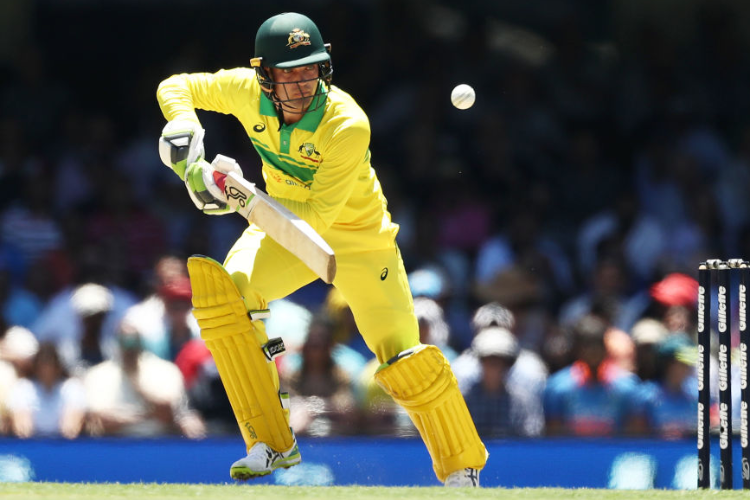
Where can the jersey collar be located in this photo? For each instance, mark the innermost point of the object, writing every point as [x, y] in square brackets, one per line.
[309, 121]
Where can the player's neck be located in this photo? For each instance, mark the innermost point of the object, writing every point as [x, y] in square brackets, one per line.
[292, 118]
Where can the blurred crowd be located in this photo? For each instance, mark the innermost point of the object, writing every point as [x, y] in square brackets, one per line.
[98, 360]
[551, 232]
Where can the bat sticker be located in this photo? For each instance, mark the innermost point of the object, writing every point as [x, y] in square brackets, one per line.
[234, 193]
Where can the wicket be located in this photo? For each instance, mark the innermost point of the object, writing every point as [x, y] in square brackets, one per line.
[722, 269]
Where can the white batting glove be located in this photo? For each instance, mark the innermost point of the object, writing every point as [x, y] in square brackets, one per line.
[181, 144]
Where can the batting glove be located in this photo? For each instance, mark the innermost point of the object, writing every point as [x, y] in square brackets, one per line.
[181, 145]
[200, 180]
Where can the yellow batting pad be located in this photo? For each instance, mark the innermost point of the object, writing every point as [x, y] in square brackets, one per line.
[250, 379]
[421, 380]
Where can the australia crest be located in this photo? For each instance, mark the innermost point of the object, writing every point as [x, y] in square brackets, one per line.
[308, 152]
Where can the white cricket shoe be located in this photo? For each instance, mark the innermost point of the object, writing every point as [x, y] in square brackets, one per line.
[464, 478]
[261, 460]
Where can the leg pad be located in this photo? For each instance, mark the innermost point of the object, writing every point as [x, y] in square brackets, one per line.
[421, 380]
[249, 378]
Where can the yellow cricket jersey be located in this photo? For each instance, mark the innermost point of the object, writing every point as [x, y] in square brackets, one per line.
[319, 167]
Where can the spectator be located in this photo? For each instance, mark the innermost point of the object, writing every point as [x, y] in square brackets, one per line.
[524, 243]
[18, 347]
[31, 223]
[499, 405]
[492, 314]
[18, 306]
[647, 334]
[622, 229]
[49, 403]
[432, 326]
[521, 290]
[322, 393]
[671, 400]
[592, 396]
[619, 345]
[291, 321]
[139, 394]
[82, 321]
[674, 303]
[128, 229]
[526, 376]
[205, 391]
[8, 378]
[608, 282]
[164, 318]
[435, 281]
[90, 303]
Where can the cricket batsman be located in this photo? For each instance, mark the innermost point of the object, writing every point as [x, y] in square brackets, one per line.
[313, 140]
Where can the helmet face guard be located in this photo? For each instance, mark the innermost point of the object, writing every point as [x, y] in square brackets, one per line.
[268, 86]
[286, 41]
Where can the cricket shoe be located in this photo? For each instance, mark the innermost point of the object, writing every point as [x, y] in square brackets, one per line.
[261, 460]
[464, 478]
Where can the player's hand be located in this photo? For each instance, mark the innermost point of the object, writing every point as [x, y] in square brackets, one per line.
[200, 179]
[181, 144]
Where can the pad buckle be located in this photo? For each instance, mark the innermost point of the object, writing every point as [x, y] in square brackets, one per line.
[273, 348]
[284, 399]
[260, 314]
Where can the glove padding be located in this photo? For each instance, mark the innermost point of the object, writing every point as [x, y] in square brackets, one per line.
[181, 145]
[201, 184]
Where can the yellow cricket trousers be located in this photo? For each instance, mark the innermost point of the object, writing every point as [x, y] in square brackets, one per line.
[373, 282]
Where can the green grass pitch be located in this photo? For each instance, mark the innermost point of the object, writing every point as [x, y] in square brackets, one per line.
[82, 491]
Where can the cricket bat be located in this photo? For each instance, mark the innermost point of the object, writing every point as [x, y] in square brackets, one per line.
[279, 223]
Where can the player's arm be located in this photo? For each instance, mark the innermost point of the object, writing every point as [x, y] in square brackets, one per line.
[181, 143]
[22, 423]
[224, 91]
[334, 182]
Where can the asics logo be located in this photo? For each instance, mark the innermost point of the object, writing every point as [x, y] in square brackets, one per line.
[384, 274]
[259, 127]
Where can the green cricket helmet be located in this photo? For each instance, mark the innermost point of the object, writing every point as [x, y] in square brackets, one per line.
[290, 40]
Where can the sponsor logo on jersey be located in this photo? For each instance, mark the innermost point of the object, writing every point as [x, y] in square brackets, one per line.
[297, 38]
[273, 175]
[384, 274]
[260, 127]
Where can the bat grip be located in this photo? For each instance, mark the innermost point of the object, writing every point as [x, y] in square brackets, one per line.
[220, 179]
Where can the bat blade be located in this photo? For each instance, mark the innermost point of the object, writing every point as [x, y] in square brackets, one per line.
[281, 224]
